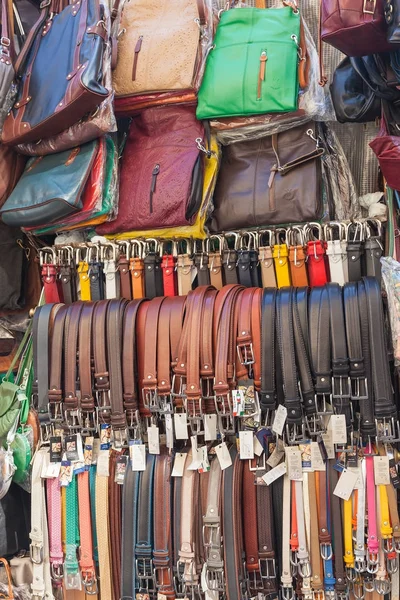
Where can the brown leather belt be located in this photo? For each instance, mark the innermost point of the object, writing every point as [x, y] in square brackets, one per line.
[71, 400]
[162, 553]
[129, 369]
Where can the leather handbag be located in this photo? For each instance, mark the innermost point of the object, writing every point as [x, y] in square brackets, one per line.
[359, 84]
[7, 58]
[154, 60]
[11, 167]
[252, 67]
[392, 17]
[12, 269]
[50, 187]
[61, 72]
[161, 179]
[386, 147]
[269, 181]
[355, 27]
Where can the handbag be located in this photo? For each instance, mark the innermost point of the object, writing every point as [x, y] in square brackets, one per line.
[61, 73]
[386, 147]
[355, 27]
[7, 58]
[12, 269]
[392, 17]
[50, 187]
[8, 590]
[269, 181]
[252, 66]
[11, 167]
[160, 56]
[161, 179]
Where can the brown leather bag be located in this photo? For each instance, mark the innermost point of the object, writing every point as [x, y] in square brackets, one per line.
[158, 49]
[11, 167]
[355, 27]
[161, 181]
[269, 181]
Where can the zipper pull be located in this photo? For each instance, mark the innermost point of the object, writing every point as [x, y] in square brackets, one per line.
[154, 174]
[261, 77]
[136, 56]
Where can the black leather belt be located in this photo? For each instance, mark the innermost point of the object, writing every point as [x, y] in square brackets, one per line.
[96, 278]
[229, 261]
[268, 388]
[129, 532]
[320, 345]
[144, 541]
[68, 283]
[153, 275]
[300, 326]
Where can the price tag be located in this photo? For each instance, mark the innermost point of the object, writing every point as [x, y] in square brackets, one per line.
[204, 462]
[197, 455]
[105, 436]
[88, 452]
[345, 485]
[138, 456]
[257, 447]
[210, 428]
[381, 470]
[56, 449]
[328, 443]
[337, 424]
[66, 473]
[279, 419]
[359, 483]
[120, 468]
[246, 444]
[181, 426]
[103, 463]
[153, 439]
[294, 464]
[223, 455]
[238, 403]
[169, 431]
[277, 454]
[274, 473]
[317, 462]
[95, 450]
[179, 464]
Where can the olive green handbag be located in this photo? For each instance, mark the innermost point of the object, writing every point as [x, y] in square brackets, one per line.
[252, 66]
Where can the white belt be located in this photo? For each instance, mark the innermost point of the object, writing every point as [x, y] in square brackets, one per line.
[286, 577]
[111, 274]
[359, 550]
[40, 551]
[337, 254]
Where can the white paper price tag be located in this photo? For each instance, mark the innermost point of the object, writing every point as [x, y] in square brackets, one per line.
[210, 428]
[138, 457]
[223, 455]
[204, 462]
[294, 464]
[197, 455]
[169, 431]
[381, 470]
[257, 447]
[279, 419]
[359, 484]
[338, 427]
[237, 403]
[277, 454]
[181, 426]
[317, 463]
[179, 464]
[274, 473]
[246, 444]
[345, 485]
[153, 439]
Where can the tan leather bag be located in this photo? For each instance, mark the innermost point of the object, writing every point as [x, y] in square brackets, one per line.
[158, 48]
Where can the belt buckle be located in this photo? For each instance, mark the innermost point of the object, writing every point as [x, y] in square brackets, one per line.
[225, 403]
[368, 583]
[182, 386]
[341, 386]
[295, 434]
[88, 422]
[287, 592]
[245, 353]
[388, 545]
[57, 415]
[215, 579]
[57, 571]
[267, 568]
[213, 539]
[269, 417]
[73, 418]
[145, 572]
[360, 564]
[351, 574]
[326, 551]
[165, 404]
[358, 588]
[365, 10]
[304, 568]
[372, 563]
[207, 387]
[392, 564]
[318, 595]
[315, 425]
[157, 569]
[36, 553]
[359, 388]
[89, 581]
[382, 586]
[150, 399]
[120, 437]
[72, 580]
[387, 430]
[321, 402]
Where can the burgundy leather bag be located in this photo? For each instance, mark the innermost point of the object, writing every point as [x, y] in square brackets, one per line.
[355, 27]
[387, 150]
[161, 180]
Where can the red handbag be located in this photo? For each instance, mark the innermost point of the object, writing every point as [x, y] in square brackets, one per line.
[355, 27]
[386, 147]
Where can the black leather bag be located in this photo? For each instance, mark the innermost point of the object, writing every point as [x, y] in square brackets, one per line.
[359, 84]
[392, 16]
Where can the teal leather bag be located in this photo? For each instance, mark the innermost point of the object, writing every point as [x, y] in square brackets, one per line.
[252, 66]
[50, 187]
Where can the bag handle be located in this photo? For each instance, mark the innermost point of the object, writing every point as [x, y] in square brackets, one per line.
[7, 30]
[9, 578]
[323, 80]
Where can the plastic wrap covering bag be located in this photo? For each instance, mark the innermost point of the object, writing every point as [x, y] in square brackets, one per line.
[338, 180]
[97, 124]
[314, 103]
[7, 470]
[391, 283]
[197, 229]
[9, 100]
[91, 197]
[100, 200]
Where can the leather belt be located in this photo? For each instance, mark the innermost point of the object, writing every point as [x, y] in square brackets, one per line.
[144, 540]
[153, 280]
[184, 273]
[112, 278]
[317, 273]
[129, 368]
[170, 283]
[86, 561]
[268, 394]
[124, 277]
[355, 252]
[162, 554]
[84, 280]
[55, 392]
[337, 255]
[267, 267]
[280, 254]
[114, 492]
[320, 346]
[149, 383]
[229, 262]
[136, 267]
[212, 525]
[103, 534]
[71, 400]
[301, 339]
[54, 522]
[96, 275]
[49, 279]
[68, 283]
[114, 346]
[129, 531]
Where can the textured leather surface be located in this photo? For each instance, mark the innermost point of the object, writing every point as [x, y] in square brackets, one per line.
[57, 93]
[346, 27]
[164, 137]
[168, 48]
[247, 193]
[11, 167]
[230, 83]
[50, 187]
[387, 150]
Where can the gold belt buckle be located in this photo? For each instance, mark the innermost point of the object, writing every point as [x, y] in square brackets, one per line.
[365, 10]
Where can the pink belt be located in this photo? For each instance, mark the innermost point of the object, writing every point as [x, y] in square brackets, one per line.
[54, 524]
[373, 542]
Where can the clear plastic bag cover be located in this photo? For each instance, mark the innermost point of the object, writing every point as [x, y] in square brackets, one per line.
[7, 470]
[97, 124]
[314, 103]
[391, 283]
[111, 188]
[8, 103]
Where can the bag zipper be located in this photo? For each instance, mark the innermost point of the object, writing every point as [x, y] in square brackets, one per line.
[136, 57]
[261, 72]
[154, 174]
